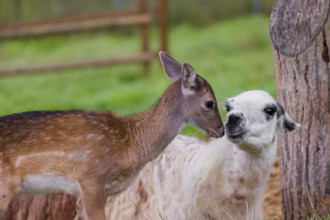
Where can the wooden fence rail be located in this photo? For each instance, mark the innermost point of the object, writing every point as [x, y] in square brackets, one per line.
[140, 16]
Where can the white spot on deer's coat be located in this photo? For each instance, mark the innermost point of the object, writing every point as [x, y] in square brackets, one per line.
[79, 155]
[100, 137]
[21, 158]
[95, 136]
[90, 136]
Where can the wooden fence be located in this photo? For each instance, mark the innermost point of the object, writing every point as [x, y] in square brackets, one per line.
[140, 16]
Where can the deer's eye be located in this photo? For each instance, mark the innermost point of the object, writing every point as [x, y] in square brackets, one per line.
[209, 104]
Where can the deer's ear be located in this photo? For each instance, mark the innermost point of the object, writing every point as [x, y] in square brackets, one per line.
[189, 77]
[284, 120]
[170, 65]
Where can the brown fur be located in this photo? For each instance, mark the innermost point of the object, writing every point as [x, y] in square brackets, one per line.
[101, 151]
[54, 206]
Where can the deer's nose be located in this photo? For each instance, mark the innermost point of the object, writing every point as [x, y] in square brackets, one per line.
[222, 131]
[217, 133]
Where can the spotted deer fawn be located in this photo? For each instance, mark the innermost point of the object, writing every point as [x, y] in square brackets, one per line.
[97, 154]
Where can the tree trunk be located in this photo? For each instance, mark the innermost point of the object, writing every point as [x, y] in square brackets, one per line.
[300, 34]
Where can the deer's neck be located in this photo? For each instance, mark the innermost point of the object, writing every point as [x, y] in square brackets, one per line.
[153, 130]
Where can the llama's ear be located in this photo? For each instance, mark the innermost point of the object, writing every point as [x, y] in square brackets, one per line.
[284, 120]
[170, 65]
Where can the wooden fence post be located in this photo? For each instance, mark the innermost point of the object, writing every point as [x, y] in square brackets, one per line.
[163, 24]
[144, 35]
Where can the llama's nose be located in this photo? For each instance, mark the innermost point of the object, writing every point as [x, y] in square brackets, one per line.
[234, 119]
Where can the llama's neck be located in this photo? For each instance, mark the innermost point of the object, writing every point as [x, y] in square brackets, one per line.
[224, 161]
[260, 159]
[153, 130]
[256, 167]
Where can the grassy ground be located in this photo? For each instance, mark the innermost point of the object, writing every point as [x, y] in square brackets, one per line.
[233, 56]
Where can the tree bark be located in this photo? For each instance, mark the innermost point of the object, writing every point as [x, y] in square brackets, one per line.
[300, 35]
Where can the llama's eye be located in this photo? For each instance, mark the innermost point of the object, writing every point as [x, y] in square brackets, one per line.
[270, 111]
[228, 108]
[209, 104]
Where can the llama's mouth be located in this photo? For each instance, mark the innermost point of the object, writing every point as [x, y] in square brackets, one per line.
[236, 137]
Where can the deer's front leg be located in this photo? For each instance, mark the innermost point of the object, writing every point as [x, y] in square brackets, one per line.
[6, 193]
[9, 184]
[93, 200]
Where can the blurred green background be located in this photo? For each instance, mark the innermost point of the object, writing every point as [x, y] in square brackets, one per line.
[195, 12]
[226, 41]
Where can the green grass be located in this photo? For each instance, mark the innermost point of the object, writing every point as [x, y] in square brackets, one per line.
[233, 56]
